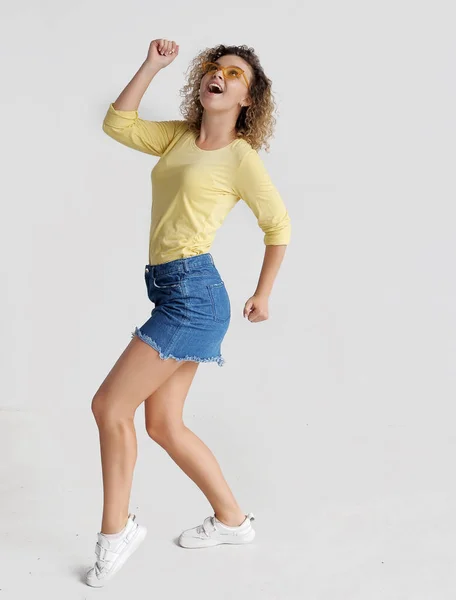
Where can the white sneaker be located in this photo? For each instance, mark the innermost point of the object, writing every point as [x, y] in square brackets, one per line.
[111, 554]
[213, 532]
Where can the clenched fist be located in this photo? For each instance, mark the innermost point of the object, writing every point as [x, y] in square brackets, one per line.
[162, 52]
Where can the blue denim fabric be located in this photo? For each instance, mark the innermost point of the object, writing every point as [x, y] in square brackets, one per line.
[191, 312]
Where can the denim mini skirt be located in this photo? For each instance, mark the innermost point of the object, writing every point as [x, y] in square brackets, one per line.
[191, 312]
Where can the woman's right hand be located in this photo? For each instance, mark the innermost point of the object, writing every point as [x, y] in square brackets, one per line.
[162, 53]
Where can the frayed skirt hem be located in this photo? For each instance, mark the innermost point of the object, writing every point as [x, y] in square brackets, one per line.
[148, 340]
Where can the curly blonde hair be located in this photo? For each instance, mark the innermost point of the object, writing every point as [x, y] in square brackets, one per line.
[256, 122]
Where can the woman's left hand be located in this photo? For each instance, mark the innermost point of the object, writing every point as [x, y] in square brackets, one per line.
[256, 308]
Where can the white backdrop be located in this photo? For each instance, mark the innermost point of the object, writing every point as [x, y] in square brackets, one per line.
[333, 421]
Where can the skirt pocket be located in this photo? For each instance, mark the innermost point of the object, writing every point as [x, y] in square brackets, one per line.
[167, 280]
[221, 308]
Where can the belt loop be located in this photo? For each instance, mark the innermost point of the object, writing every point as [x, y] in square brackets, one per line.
[212, 260]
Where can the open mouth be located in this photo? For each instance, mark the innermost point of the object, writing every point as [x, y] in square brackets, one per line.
[214, 88]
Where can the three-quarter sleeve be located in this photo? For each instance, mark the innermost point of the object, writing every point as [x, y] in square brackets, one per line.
[254, 186]
[151, 137]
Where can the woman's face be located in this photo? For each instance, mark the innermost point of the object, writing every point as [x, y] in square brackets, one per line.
[234, 91]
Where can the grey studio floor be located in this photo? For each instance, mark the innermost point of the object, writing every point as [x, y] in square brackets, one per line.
[342, 511]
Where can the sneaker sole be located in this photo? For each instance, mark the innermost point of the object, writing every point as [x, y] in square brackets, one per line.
[189, 542]
[132, 546]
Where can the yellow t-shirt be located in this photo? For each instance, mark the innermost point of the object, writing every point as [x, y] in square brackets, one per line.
[193, 190]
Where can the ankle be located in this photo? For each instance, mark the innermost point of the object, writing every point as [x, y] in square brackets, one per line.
[113, 528]
[232, 519]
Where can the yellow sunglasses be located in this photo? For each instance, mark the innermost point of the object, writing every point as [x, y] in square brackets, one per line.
[232, 72]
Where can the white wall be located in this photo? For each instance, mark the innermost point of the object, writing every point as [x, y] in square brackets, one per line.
[343, 399]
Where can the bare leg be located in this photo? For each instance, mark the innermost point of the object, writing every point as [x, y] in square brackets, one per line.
[164, 424]
[136, 374]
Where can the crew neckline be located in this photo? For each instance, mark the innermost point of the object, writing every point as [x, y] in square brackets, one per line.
[195, 135]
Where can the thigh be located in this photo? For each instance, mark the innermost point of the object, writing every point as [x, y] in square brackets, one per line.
[165, 405]
[137, 373]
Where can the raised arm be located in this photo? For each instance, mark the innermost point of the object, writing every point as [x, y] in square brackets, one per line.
[161, 54]
[122, 122]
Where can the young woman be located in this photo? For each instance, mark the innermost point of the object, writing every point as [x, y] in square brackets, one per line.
[208, 162]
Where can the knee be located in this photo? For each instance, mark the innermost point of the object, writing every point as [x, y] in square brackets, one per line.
[105, 410]
[164, 433]
[98, 407]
